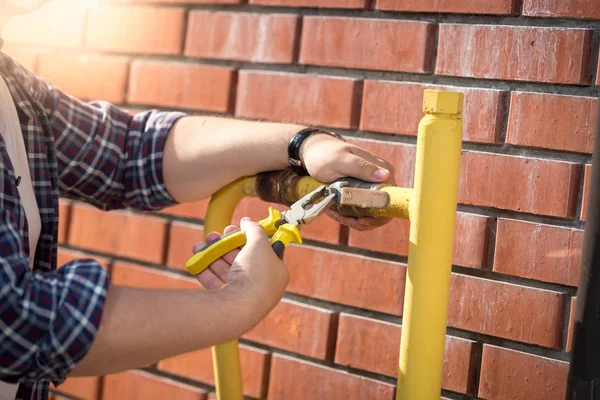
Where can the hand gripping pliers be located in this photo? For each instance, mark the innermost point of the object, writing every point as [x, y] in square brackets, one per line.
[282, 226]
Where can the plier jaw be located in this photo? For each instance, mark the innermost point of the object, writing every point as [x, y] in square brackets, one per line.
[310, 207]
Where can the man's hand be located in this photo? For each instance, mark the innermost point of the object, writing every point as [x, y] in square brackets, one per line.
[328, 159]
[254, 270]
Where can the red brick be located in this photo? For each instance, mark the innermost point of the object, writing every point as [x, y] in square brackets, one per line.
[500, 7]
[536, 251]
[368, 43]
[121, 233]
[313, 3]
[298, 328]
[64, 210]
[58, 24]
[198, 366]
[373, 345]
[471, 240]
[26, 57]
[598, 75]
[392, 238]
[182, 238]
[265, 38]
[529, 185]
[196, 210]
[323, 229]
[396, 107]
[133, 275]
[505, 310]
[293, 379]
[181, 85]
[510, 374]
[138, 30]
[65, 256]
[299, 98]
[323, 274]
[557, 55]
[572, 312]
[552, 121]
[87, 77]
[142, 385]
[589, 9]
[586, 190]
[84, 388]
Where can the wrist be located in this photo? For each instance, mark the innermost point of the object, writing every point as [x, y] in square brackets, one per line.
[317, 137]
[253, 305]
[301, 143]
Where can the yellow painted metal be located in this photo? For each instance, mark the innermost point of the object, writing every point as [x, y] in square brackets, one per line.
[431, 205]
[306, 184]
[433, 218]
[212, 252]
[399, 202]
[226, 356]
[223, 203]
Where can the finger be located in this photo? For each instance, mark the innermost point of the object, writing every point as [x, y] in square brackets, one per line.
[211, 237]
[334, 215]
[229, 258]
[221, 269]
[209, 280]
[230, 229]
[255, 234]
[367, 155]
[375, 159]
[373, 222]
[360, 168]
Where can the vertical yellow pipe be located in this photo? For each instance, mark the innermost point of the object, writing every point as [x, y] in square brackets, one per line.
[433, 217]
[226, 356]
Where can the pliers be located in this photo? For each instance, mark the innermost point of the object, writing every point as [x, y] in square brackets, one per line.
[282, 226]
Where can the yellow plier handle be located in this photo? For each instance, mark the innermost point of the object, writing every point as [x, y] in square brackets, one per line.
[282, 236]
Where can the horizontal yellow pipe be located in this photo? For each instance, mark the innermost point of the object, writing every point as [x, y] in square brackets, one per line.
[399, 202]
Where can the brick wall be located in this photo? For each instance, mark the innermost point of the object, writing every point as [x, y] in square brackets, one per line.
[527, 68]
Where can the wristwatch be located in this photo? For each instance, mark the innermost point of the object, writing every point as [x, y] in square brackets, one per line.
[296, 143]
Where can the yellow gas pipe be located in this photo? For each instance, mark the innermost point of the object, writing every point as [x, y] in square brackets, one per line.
[431, 206]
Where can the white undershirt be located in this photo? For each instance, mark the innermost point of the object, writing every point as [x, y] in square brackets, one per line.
[10, 129]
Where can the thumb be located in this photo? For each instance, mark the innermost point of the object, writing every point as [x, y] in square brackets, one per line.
[255, 234]
[358, 167]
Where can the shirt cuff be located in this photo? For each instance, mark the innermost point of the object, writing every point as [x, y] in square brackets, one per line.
[78, 315]
[158, 125]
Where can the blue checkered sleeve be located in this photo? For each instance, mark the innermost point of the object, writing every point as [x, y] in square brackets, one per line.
[47, 320]
[108, 157]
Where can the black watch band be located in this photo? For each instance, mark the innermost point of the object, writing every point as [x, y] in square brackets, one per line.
[296, 143]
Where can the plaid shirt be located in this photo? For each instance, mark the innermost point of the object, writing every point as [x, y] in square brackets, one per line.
[92, 152]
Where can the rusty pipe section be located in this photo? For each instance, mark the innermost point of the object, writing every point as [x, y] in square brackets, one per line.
[286, 187]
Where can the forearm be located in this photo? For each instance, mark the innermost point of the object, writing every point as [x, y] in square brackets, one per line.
[142, 326]
[203, 154]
